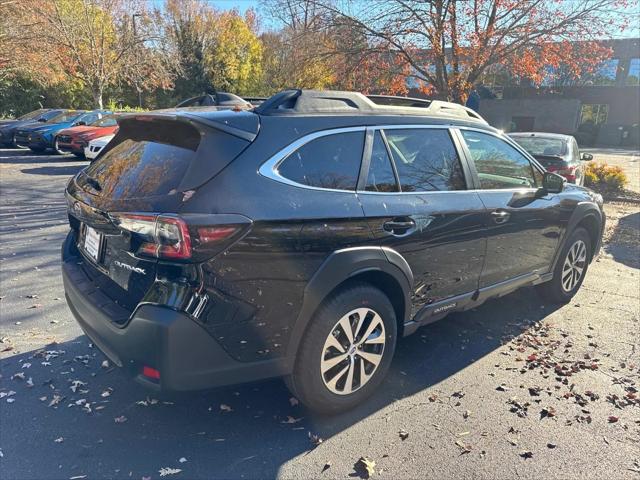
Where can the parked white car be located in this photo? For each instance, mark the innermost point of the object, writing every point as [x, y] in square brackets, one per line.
[95, 146]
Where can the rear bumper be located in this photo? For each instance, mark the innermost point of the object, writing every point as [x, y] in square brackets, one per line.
[187, 357]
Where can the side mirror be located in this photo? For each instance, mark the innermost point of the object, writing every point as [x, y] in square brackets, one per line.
[80, 123]
[42, 120]
[552, 182]
[587, 157]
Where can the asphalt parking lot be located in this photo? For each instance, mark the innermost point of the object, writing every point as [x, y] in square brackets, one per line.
[511, 389]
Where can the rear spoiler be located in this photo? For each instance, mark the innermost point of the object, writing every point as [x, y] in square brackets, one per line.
[226, 123]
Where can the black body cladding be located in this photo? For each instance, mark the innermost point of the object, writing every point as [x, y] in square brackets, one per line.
[251, 296]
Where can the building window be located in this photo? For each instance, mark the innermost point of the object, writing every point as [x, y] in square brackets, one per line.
[605, 74]
[594, 113]
[633, 76]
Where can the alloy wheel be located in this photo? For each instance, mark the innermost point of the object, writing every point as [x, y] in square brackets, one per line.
[574, 265]
[352, 351]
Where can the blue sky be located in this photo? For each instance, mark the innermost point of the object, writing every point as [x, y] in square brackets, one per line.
[243, 5]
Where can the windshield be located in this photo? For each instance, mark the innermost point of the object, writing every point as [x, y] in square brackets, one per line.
[542, 145]
[107, 121]
[65, 117]
[50, 114]
[30, 115]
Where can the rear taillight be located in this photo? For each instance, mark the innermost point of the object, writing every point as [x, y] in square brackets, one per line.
[171, 237]
[568, 172]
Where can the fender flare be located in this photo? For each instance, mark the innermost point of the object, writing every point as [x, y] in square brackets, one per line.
[582, 211]
[340, 266]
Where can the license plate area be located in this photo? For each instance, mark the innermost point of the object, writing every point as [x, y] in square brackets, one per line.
[92, 243]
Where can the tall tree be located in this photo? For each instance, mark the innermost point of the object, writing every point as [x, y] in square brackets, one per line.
[215, 49]
[96, 42]
[449, 44]
[295, 55]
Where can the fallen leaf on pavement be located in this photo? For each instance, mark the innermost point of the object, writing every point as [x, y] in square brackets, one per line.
[547, 412]
[315, 439]
[293, 401]
[326, 467]
[464, 448]
[526, 454]
[225, 408]
[290, 419]
[164, 471]
[59, 440]
[120, 419]
[366, 466]
[613, 419]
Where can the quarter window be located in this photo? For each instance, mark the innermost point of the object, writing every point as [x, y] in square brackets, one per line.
[499, 165]
[425, 160]
[381, 177]
[331, 161]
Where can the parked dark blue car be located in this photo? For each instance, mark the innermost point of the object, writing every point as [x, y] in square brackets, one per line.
[37, 117]
[42, 137]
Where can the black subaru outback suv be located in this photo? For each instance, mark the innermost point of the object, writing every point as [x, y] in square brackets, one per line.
[303, 238]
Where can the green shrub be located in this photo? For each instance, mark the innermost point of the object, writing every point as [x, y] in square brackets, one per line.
[606, 179]
[119, 107]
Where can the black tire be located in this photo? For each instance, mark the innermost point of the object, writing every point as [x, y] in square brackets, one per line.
[554, 290]
[36, 149]
[309, 384]
[56, 149]
[15, 145]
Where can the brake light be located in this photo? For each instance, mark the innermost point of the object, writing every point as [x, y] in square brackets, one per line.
[171, 237]
[569, 172]
[151, 372]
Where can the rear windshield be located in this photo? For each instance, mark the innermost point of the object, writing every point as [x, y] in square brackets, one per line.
[542, 145]
[149, 160]
[108, 121]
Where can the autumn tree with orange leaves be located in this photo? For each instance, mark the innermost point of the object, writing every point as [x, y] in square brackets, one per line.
[446, 46]
[98, 43]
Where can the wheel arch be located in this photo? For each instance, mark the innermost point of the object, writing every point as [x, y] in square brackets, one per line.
[593, 227]
[381, 267]
[588, 216]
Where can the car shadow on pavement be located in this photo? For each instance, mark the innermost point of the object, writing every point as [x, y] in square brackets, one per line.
[87, 418]
[67, 170]
[625, 241]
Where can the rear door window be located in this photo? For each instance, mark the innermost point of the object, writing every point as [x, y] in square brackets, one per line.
[147, 162]
[331, 161]
[380, 177]
[425, 159]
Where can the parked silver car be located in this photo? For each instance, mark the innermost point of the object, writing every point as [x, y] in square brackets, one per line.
[557, 153]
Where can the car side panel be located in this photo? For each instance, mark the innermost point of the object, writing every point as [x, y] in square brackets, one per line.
[257, 287]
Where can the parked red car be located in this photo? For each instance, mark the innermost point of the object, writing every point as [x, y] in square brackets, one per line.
[74, 139]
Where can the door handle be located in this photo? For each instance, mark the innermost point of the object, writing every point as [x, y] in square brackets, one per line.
[500, 216]
[399, 226]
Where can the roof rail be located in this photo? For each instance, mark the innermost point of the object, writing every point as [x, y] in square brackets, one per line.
[399, 101]
[308, 102]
